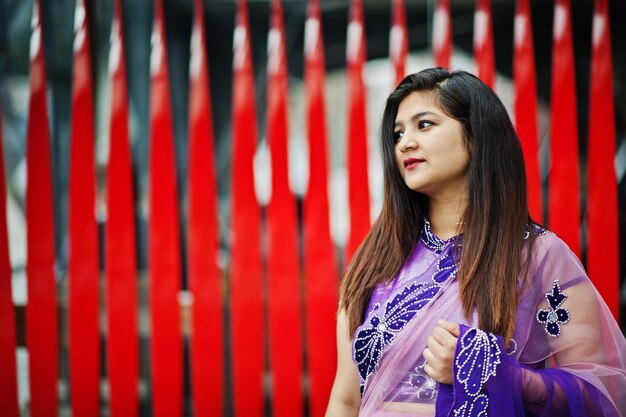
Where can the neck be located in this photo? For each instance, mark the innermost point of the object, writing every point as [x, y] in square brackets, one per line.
[444, 215]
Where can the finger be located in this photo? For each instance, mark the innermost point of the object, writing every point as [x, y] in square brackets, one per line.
[451, 327]
[444, 337]
[429, 357]
[432, 365]
[430, 371]
[433, 344]
[430, 362]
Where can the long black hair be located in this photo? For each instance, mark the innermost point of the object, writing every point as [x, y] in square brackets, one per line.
[494, 220]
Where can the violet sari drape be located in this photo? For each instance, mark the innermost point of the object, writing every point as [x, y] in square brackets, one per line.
[567, 356]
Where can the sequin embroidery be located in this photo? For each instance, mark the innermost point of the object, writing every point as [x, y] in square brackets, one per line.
[512, 347]
[370, 342]
[554, 317]
[535, 229]
[478, 407]
[432, 241]
[479, 350]
[425, 387]
[476, 362]
[381, 329]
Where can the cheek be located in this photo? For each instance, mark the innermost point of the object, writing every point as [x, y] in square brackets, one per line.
[464, 156]
[461, 161]
[456, 160]
[456, 153]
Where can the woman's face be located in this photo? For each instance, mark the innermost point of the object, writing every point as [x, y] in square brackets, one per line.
[430, 149]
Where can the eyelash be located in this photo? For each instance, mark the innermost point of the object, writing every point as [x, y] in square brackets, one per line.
[397, 135]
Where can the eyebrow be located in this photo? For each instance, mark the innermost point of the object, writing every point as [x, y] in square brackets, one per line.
[417, 116]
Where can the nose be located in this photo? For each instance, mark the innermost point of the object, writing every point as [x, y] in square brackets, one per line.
[407, 142]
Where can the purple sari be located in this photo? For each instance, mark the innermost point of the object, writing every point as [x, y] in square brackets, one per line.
[567, 356]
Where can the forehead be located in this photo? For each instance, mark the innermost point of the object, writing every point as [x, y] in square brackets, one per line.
[418, 102]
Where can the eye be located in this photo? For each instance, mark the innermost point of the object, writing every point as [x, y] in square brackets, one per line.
[423, 124]
[398, 134]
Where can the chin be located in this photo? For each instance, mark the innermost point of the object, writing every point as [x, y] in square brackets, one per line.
[417, 187]
[421, 187]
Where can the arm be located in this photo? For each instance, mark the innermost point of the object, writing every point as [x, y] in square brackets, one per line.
[569, 387]
[345, 397]
[562, 320]
[572, 327]
[579, 346]
[485, 377]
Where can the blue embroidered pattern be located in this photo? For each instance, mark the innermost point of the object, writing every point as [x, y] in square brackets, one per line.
[446, 268]
[479, 350]
[534, 229]
[556, 315]
[432, 241]
[512, 347]
[381, 329]
[476, 362]
[478, 407]
[370, 342]
[425, 386]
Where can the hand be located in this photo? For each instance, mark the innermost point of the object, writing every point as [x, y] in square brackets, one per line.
[439, 354]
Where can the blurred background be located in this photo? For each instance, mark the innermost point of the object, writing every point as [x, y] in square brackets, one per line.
[219, 16]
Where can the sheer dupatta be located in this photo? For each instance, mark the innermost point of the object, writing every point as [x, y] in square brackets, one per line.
[388, 347]
[567, 356]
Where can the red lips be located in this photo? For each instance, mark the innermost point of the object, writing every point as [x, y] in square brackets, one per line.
[410, 163]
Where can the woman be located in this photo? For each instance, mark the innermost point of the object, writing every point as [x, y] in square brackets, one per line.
[457, 304]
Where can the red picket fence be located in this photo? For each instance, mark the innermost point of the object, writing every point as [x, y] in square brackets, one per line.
[297, 298]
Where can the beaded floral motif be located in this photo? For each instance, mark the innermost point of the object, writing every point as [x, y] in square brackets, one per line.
[478, 407]
[370, 342]
[535, 229]
[425, 386]
[477, 360]
[431, 240]
[556, 315]
[512, 347]
[381, 329]
[446, 268]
